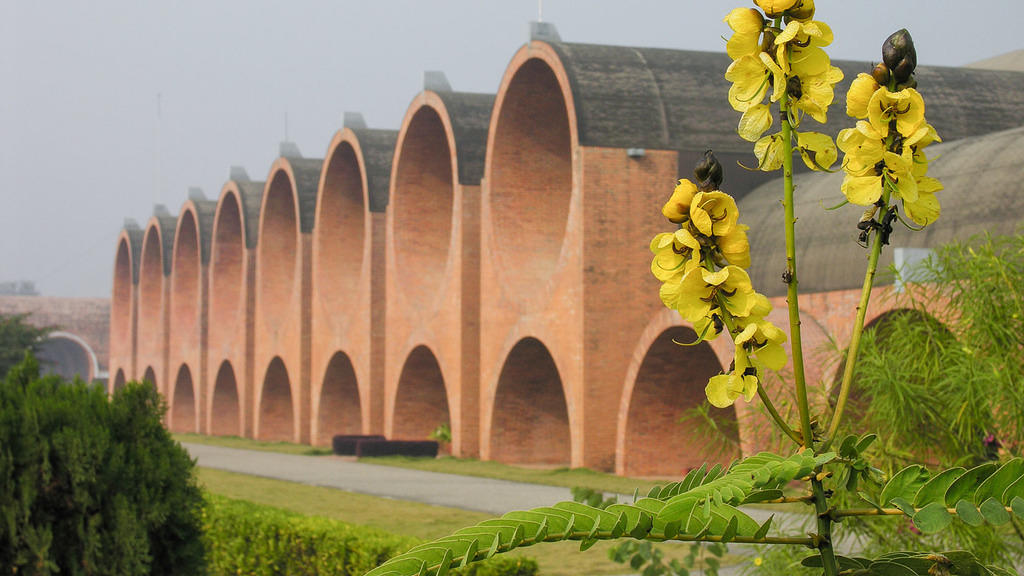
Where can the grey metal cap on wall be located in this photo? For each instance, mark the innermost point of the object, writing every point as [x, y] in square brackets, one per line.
[307, 178]
[251, 198]
[134, 235]
[206, 211]
[984, 182]
[166, 223]
[470, 116]
[677, 99]
[378, 148]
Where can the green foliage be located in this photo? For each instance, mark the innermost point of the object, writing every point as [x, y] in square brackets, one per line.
[91, 485]
[16, 338]
[644, 557]
[700, 507]
[913, 564]
[948, 386]
[246, 538]
[442, 434]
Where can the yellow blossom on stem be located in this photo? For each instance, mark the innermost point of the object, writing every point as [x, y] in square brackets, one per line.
[750, 81]
[747, 25]
[695, 293]
[905, 106]
[675, 254]
[713, 213]
[861, 90]
[723, 390]
[677, 209]
[735, 247]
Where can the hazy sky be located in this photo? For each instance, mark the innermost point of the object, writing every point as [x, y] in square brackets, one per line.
[81, 149]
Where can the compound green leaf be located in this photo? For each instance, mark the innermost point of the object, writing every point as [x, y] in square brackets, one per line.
[969, 513]
[904, 484]
[934, 490]
[967, 484]
[932, 518]
[999, 481]
[994, 512]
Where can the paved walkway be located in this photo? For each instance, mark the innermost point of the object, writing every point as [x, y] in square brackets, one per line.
[454, 491]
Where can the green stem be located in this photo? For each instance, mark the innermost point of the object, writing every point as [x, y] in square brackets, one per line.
[836, 514]
[792, 298]
[828, 555]
[858, 329]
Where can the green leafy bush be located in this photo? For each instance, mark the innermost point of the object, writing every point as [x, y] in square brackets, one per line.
[91, 484]
[246, 538]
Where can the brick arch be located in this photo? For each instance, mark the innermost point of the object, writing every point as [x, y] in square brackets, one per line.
[339, 409]
[421, 398]
[121, 298]
[227, 259]
[184, 416]
[185, 277]
[150, 376]
[276, 419]
[277, 252]
[530, 171]
[530, 419]
[225, 416]
[151, 292]
[69, 356]
[659, 391]
[421, 203]
[340, 230]
[119, 380]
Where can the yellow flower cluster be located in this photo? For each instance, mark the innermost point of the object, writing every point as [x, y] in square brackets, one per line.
[702, 269]
[781, 62]
[884, 154]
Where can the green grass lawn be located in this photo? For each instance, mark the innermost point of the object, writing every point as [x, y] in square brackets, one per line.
[564, 477]
[411, 519]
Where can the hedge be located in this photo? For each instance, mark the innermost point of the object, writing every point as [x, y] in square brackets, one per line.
[91, 484]
[246, 538]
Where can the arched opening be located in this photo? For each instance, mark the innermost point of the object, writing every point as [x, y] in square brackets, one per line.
[277, 418]
[341, 229]
[226, 267]
[663, 436]
[340, 411]
[530, 175]
[530, 423]
[121, 301]
[185, 277]
[224, 410]
[278, 248]
[66, 356]
[421, 403]
[119, 380]
[151, 277]
[149, 377]
[183, 409]
[422, 200]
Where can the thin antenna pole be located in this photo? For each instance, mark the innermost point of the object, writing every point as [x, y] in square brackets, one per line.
[157, 150]
[540, 10]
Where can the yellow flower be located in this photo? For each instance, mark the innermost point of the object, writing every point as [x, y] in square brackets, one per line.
[861, 90]
[710, 326]
[755, 120]
[747, 25]
[769, 152]
[925, 209]
[806, 32]
[863, 147]
[677, 209]
[723, 390]
[763, 340]
[695, 294]
[749, 77]
[817, 150]
[905, 106]
[713, 213]
[775, 8]
[735, 247]
[675, 254]
[817, 93]
[899, 168]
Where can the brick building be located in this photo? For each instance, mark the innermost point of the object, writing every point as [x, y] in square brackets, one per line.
[487, 266]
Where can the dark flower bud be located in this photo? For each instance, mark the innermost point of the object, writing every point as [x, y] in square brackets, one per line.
[881, 74]
[794, 88]
[899, 55]
[708, 173]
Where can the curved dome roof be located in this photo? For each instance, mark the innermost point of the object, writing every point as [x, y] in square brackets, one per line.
[984, 184]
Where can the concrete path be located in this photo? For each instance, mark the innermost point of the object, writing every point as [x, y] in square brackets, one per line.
[465, 492]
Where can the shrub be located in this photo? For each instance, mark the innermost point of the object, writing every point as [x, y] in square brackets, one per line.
[91, 484]
[246, 538]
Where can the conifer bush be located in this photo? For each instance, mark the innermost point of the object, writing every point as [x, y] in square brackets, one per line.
[91, 484]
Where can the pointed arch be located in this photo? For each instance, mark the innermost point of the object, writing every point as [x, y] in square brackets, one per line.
[225, 417]
[340, 409]
[276, 411]
[421, 400]
[184, 417]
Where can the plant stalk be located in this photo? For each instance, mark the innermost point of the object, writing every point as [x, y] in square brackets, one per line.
[792, 299]
[847, 513]
[858, 329]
